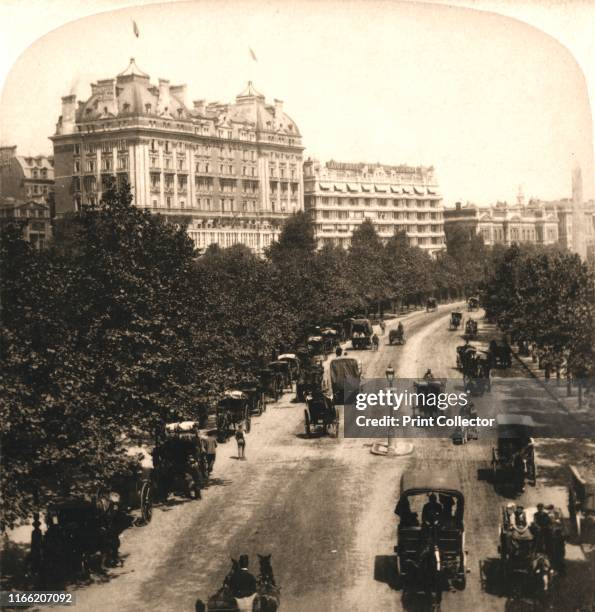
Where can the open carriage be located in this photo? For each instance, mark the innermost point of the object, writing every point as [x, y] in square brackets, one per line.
[361, 334]
[431, 304]
[513, 459]
[271, 383]
[532, 549]
[255, 394]
[233, 410]
[473, 303]
[456, 318]
[431, 543]
[283, 371]
[471, 329]
[428, 391]
[179, 461]
[294, 364]
[321, 414]
[396, 336]
[331, 339]
[310, 378]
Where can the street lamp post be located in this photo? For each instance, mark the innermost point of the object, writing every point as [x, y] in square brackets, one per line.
[396, 448]
[390, 377]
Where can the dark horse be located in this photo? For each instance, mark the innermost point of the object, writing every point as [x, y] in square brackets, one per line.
[427, 576]
[266, 600]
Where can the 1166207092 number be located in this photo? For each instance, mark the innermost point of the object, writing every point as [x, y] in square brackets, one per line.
[39, 598]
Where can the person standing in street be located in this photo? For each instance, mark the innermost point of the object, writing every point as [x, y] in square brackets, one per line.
[241, 440]
[211, 451]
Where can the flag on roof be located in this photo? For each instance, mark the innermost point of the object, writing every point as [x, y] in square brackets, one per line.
[135, 28]
[253, 55]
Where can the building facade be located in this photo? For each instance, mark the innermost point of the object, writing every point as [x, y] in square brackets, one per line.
[35, 217]
[231, 172]
[340, 196]
[24, 177]
[506, 224]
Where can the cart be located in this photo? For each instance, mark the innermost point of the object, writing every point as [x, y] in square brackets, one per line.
[429, 389]
[431, 304]
[345, 376]
[233, 411]
[456, 318]
[321, 414]
[513, 459]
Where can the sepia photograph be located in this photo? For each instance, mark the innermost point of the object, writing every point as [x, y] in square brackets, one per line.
[297, 305]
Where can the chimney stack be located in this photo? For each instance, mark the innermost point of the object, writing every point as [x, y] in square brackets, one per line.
[199, 106]
[163, 101]
[68, 114]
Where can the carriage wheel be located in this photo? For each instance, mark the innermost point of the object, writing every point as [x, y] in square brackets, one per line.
[146, 502]
[307, 422]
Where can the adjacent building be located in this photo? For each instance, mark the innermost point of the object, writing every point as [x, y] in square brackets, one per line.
[231, 172]
[35, 217]
[340, 196]
[24, 177]
[502, 223]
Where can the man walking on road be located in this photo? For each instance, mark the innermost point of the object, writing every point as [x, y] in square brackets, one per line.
[241, 440]
[210, 451]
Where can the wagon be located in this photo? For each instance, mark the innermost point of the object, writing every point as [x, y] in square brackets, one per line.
[500, 354]
[429, 390]
[530, 555]
[513, 459]
[456, 318]
[179, 461]
[431, 304]
[581, 505]
[233, 410]
[321, 414]
[447, 534]
[345, 376]
[315, 344]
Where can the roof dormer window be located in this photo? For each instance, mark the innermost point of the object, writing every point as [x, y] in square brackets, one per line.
[148, 108]
[126, 107]
[105, 110]
[179, 112]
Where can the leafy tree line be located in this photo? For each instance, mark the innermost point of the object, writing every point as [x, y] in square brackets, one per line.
[544, 295]
[118, 326]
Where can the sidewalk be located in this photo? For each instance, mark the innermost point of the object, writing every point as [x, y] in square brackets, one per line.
[557, 390]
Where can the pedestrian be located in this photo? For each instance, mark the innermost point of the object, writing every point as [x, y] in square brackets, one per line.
[241, 440]
[382, 326]
[375, 342]
[211, 451]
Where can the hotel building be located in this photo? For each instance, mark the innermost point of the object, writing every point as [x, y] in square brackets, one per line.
[230, 172]
[340, 196]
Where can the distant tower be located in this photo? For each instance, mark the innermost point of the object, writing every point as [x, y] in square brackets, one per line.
[577, 186]
[520, 198]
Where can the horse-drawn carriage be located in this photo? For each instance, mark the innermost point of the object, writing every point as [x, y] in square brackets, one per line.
[179, 461]
[294, 364]
[315, 344]
[473, 303]
[284, 373]
[321, 413]
[345, 374]
[429, 389]
[465, 354]
[271, 383]
[255, 394]
[310, 378]
[581, 506]
[431, 304]
[431, 544]
[532, 547]
[456, 317]
[233, 410]
[513, 459]
[397, 336]
[361, 334]
[330, 338]
[470, 330]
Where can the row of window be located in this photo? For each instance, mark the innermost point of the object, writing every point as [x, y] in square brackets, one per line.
[370, 201]
[41, 173]
[107, 164]
[209, 204]
[104, 147]
[360, 214]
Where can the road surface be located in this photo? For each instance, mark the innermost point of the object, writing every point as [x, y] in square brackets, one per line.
[324, 509]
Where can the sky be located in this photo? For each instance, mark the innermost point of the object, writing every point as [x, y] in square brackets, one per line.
[490, 102]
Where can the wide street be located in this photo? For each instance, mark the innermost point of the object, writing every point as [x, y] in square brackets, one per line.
[323, 508]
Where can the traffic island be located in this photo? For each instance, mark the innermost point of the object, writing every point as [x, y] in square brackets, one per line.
[393, 450]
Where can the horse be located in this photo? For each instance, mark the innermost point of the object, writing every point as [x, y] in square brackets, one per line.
[428, 575]
[223, 600]
[268, 592]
